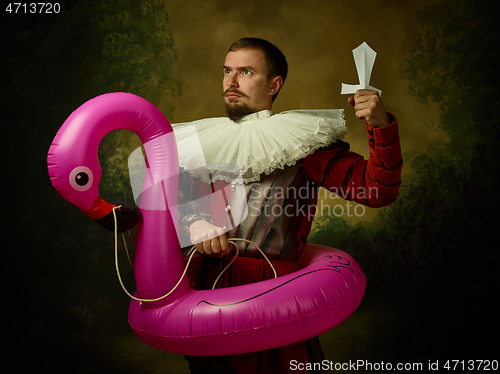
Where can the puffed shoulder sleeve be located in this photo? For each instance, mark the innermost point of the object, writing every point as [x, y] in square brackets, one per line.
[374, 182]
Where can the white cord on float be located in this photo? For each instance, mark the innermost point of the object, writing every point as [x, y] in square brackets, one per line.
[191, 253]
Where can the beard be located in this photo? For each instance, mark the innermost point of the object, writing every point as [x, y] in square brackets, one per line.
[236, 111]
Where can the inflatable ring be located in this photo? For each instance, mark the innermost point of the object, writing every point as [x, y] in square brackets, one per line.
[326, 290]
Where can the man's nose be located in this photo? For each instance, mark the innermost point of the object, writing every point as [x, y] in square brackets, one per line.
[232, 81]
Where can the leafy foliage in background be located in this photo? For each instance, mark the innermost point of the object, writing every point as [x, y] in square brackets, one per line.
[454, 63]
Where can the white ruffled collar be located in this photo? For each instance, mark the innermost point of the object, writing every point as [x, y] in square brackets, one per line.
[256, 116]
[259, 143]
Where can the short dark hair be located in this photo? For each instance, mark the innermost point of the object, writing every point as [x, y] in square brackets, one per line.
[275, 60]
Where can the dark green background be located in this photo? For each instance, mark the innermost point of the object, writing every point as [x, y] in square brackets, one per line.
[430, 258]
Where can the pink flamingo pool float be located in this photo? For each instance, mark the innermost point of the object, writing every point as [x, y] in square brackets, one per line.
[325, 291]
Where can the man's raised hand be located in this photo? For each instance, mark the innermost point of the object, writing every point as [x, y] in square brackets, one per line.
[368, 105]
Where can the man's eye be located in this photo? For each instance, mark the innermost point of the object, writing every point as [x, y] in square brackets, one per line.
[227, 72]
[247, 72]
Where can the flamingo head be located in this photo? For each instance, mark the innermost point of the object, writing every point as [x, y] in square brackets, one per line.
[74, 169]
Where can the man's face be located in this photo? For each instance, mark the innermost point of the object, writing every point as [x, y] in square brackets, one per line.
[247, 89]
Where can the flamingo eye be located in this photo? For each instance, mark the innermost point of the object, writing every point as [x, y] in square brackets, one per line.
[81, 178]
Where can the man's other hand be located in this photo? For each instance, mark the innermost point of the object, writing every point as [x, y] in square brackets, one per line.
[209, 239]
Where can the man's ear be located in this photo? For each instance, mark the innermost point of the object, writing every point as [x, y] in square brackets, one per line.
[276, 84]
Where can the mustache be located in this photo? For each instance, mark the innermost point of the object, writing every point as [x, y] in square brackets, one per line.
[233, 90]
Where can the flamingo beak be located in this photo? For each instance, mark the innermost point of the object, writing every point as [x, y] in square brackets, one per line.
[102, 213]
[125, 219]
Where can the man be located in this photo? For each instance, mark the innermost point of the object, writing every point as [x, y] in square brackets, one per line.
[254, 72]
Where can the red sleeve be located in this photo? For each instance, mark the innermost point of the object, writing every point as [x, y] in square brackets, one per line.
[374, 182]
